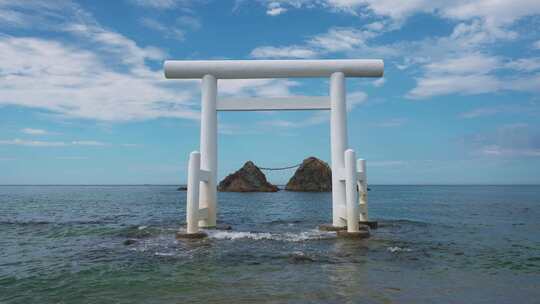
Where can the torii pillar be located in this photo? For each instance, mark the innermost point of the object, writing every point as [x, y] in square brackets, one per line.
[208, 190]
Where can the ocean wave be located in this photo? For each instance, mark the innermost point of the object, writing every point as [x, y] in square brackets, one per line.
[25, 223]
[142, 231]
[102, 221]
[164, 254]
[288, 236]
[284, 222]
[37, 224]
[395, 249]
[402, 222]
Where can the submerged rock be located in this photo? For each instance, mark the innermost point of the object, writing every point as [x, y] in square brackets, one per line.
[300, 257]
[313, 175]
[130, 242]
[248, 179]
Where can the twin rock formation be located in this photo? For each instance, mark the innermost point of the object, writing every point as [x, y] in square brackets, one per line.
[313, 175]
[248, 179]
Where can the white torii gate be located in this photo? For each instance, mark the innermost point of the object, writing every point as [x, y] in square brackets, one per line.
[202, 170]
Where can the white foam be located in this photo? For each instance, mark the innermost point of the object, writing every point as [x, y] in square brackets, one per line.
[398, 249]
[234, 235]
[164, 253]
[289, 236]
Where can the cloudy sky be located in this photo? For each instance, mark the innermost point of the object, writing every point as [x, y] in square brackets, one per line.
[83, 99]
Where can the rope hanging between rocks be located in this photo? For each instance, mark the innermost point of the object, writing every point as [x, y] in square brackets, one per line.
[282, 168]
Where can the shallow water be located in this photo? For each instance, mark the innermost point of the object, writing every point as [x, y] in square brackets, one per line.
[435, 244]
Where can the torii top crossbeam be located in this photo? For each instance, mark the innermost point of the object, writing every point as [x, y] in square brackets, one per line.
[245, 69]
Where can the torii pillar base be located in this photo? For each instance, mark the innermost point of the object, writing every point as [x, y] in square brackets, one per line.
[370, 224]
[362, 234]
[330, 227]
[220, 227]
[182, 235]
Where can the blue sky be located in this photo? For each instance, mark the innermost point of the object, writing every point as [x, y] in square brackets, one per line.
[83, 99]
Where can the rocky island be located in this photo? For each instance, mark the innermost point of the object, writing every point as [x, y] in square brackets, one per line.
[313, 175]
[248, 179]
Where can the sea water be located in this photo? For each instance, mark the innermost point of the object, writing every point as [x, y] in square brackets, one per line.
[435, 244]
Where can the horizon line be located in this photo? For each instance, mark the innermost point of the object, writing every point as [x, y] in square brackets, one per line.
[375, 184]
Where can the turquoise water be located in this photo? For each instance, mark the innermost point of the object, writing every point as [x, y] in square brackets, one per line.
[436, 244]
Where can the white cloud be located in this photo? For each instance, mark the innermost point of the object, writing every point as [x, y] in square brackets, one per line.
[355, 99]
[39, 143]
[508, 109]
[492, 150]
[474, 73]
[160, 4]
[525, 64]
[475, 32]
[466, 64]
[510, 140]
[527, 84]
[314, 119]
[88, 143]
[256, 87]
[494, 12]
[480, 112]
[379, 82]
[99, 74]
[40, 14]
[173, 31]
[32, 143]
[393, 9]
[283, 52]
[115, 45]
[167, 31]
[340, 39]
[463, 51]
[274, 9]
[495, 150]
[536, 45]
[235, 129]
[189, 21]
[31, 131]
[454, 84]
[12, 18]
[376, 26]
[335, 40]
[88, 73]
[466, 74]
[280, 123]
[79, 83]
[479, 23]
